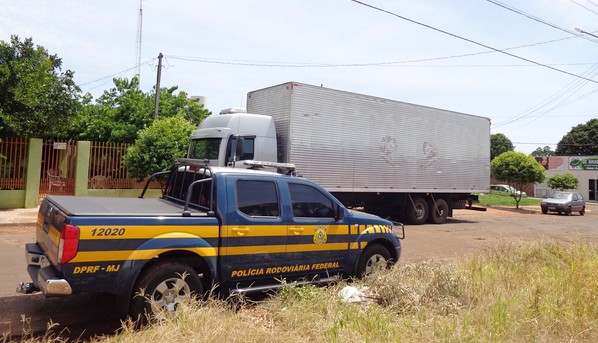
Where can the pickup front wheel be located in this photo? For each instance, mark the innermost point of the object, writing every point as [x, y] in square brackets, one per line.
[162, 287]
[374, 256]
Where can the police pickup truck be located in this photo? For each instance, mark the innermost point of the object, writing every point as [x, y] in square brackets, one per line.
[240, 230]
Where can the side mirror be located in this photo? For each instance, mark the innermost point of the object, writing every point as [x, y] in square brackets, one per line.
[239, 148]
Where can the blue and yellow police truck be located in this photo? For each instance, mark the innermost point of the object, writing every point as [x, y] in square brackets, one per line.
[239, 230]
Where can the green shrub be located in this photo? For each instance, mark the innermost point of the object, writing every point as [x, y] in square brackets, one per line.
[158, 146]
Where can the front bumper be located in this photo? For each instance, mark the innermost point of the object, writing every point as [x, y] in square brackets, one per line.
[44, 276]
[554, 207]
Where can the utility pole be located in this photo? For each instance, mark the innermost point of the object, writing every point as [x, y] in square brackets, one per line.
[157, 100]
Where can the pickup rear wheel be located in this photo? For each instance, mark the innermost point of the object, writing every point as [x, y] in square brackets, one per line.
[162, 287]
[374, 256]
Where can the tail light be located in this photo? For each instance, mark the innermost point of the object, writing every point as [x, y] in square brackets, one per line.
[69, 243]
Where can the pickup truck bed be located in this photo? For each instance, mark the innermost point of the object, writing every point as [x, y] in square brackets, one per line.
[138, 207]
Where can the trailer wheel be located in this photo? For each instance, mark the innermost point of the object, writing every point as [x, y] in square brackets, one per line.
[439, 212]
[374, 256]
[161, 288]
[418, 213]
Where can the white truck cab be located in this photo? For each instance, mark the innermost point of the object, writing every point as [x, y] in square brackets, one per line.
[234, 136]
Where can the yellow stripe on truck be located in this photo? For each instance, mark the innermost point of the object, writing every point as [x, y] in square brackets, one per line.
[91, 232]
[104, 256]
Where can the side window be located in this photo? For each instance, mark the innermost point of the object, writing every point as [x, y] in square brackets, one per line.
[309, 202]
[257, 198]
[248, 149]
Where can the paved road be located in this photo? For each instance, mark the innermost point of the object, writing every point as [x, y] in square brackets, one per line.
[467, 233]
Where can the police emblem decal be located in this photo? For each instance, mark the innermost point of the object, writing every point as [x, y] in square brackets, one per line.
[320, 236]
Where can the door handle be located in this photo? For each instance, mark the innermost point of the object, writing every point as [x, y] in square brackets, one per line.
[297, 230]
[241, 231]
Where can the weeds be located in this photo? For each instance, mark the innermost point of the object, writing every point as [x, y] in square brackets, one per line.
[539, 292]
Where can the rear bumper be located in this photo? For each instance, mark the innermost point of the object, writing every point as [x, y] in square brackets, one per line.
[44, 276]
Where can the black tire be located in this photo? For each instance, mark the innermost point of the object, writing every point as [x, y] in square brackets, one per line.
[439, 212]
[544, 210]
[583, 211]
[374, 256]
[418, 213]
[161, 288]
[568, 211]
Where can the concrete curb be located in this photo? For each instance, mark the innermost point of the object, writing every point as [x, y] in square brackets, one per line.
[537, 209]
[523, 210]
[10, 217]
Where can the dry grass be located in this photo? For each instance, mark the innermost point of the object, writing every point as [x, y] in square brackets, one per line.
[540, 292]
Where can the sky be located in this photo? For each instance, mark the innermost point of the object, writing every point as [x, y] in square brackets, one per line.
[519, 63]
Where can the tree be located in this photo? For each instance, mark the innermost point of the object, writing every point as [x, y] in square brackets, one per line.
[499, 144]
[37, 99]
[121, 112]
[518, 170]
[158, 146]
[545, 151]
[563, 181]
[581, 140]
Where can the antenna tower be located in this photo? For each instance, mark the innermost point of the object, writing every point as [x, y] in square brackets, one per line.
[139, 27]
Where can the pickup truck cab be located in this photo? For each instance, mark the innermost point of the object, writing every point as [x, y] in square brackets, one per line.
[237, 229]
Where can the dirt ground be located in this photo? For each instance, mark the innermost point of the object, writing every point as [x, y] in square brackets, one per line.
[468, 232]
[464, 234]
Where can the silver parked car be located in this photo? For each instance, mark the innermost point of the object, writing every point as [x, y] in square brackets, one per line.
[506, 190]
[564, 202]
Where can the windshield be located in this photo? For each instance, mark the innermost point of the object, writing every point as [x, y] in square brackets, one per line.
[206, 148]
[561, 195]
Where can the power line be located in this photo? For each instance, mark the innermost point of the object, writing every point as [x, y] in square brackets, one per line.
[593, 3]
[539, 20]
[472, 41]
[569, 89]
[578, 4]
[562, 144]
[367, 64]
[115, 74]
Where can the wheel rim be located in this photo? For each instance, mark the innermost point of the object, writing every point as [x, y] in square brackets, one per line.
[377, 261]
[169, 293]
[419, 211]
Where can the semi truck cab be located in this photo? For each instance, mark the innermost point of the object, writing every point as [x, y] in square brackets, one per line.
[234, 136]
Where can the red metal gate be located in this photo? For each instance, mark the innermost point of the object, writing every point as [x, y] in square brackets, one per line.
[58, 168]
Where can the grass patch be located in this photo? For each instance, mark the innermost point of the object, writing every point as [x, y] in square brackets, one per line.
[533, 292]
[505, 200]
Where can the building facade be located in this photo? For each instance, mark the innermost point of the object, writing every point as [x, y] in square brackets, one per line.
[585, 168]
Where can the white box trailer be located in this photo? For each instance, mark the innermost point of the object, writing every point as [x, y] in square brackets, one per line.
[391, 158]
